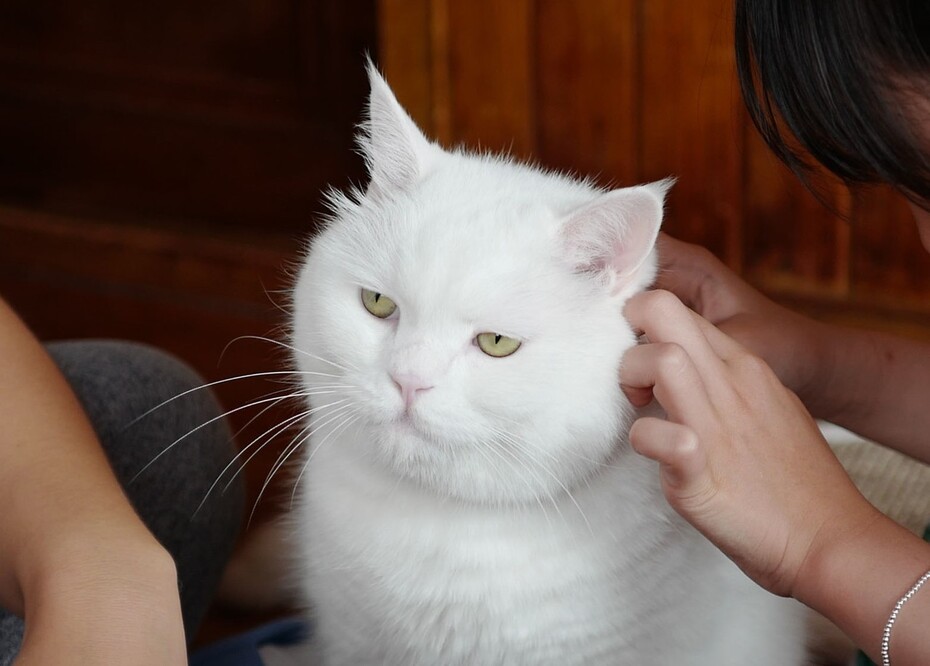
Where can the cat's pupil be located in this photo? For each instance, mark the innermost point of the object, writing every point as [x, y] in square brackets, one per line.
[497, 339]
[377, 297]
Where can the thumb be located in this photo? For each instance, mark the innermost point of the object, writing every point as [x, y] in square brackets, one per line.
[682, 269]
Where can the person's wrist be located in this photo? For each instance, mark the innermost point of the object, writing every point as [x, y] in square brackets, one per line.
[833, 547]
[833, 393]
[857, 570]
[817, 367]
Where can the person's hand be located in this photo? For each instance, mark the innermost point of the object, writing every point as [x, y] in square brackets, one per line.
[792, 345]
[740, 457]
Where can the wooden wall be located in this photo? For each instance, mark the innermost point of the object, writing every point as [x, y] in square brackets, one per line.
[160, 164]
[636, 90]
[231, 112]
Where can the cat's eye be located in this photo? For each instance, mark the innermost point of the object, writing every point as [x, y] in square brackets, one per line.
[378, 304]
[497, 345]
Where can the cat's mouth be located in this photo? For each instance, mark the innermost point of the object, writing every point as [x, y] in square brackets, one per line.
[408, 424]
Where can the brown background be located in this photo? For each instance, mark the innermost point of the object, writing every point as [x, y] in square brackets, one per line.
[161, 162]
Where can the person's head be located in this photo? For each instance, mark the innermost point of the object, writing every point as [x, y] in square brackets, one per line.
[847, 80]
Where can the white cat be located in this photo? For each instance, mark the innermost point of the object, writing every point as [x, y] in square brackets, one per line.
[469, 496]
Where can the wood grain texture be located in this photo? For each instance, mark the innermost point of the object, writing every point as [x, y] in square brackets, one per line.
[490, 74]
[692, 126]
[888, 256]
[793, 241]
[190, 294]
[588, 97]
[406, 57]
[228, 113]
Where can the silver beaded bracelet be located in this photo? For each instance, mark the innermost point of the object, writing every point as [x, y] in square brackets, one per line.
[886, 635]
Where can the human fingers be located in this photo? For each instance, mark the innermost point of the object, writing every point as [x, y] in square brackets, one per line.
[668, 371]
[683, 462]
[684, 269]
[723, 345]
[704, 283]
[663, 318]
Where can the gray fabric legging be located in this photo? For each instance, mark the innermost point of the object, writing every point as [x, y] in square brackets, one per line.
[117, 382]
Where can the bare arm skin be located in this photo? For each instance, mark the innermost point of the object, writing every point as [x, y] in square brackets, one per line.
[744, 462]
[872, 383]
[93, 584]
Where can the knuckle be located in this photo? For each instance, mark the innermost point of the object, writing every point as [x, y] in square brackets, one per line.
[663, 302]
[750, 365]
[671, 360]
[687, 444]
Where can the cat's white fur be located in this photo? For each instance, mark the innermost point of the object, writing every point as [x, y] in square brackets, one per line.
[502, 519]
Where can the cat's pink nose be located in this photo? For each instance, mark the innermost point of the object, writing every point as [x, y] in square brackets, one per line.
[409, 385]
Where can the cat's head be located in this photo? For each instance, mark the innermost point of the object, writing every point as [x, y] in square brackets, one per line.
[462, 316]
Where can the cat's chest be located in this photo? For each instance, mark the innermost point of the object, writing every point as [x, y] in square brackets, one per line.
[360, 521]
[382, 559]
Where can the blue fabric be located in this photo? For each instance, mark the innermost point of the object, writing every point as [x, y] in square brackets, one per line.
[242, 649]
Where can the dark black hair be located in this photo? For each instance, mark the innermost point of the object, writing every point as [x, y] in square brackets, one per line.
[838, 76]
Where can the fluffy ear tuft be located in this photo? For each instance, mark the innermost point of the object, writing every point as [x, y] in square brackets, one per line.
[395, 150]
[614, 235]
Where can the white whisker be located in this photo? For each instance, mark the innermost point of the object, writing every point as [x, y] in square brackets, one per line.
[309, 429]
[290, 394]
[574, 454]
[529, 452]
[351, 418]
[549, 495]
[276, 430]
[204, 425]
[482, 448]
[296, 444]
[293, 349]
[267, 436]
[225, 381]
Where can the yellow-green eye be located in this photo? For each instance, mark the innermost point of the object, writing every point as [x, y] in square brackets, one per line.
[497, 345]
[378, 304]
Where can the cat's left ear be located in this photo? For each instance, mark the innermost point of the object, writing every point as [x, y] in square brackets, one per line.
[614, 235]
[395, 150]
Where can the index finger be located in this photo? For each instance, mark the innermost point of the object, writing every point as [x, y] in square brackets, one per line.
[665, 319]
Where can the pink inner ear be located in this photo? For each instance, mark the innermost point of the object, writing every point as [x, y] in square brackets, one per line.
[616, 232]
[641, 230]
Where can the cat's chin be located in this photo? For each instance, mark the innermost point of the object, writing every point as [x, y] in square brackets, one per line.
[406, 427]
[409, 433]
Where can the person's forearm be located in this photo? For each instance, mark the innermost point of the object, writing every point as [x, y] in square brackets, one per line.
[108, 606]
[876, 385]
[859, 575]
[57, 490]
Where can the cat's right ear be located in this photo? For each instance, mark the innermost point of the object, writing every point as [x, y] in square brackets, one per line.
[395, 150]
[615, 234]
